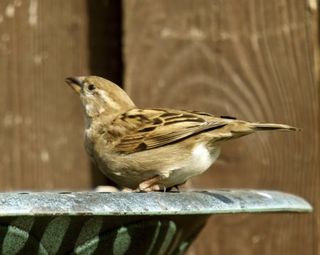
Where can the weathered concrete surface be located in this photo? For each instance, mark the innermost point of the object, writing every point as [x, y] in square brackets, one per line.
[155, 203]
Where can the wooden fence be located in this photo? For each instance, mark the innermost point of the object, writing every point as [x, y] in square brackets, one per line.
[253, 59]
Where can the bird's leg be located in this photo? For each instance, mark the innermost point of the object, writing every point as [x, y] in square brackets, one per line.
[174, 187]
[177, 186]
[157, 187]
[150, 184]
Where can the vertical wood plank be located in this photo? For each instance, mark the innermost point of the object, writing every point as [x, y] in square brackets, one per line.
[253, 60]
[105, 51]
[41, 125]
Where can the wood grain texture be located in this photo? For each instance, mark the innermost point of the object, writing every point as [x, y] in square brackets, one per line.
[41, 125]
[253, 60]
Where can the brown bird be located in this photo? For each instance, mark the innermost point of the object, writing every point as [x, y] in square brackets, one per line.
[152, 149]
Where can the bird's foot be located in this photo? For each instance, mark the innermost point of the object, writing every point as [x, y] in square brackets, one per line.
[151, 185]
[177, 187]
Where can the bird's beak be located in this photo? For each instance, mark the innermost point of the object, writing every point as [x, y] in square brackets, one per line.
[75, 82]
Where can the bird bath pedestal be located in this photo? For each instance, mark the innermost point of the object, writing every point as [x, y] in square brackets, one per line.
[123, 223]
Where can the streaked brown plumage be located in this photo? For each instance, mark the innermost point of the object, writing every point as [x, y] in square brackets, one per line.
[152, 149]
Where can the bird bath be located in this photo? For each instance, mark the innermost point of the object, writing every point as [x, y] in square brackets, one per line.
[123, 223]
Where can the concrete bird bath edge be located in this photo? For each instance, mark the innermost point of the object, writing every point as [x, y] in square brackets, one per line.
[123, 223]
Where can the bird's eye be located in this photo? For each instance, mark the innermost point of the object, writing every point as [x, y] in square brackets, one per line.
[91, 87]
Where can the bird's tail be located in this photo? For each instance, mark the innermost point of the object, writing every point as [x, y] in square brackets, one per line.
[271, 126]
[238, 128]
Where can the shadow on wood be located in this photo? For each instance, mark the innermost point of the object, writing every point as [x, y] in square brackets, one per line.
[105, 56]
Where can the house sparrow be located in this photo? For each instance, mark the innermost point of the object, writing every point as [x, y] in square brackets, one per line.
[152, 149]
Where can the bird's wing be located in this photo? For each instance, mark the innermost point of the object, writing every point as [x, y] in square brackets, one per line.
[149, 129]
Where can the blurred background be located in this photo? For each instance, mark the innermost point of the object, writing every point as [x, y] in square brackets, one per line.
[252, 59]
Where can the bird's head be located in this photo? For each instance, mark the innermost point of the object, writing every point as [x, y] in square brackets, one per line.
[100, 96]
